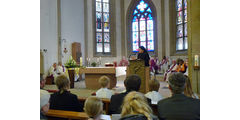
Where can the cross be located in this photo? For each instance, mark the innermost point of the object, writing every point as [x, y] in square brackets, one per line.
[142, 6]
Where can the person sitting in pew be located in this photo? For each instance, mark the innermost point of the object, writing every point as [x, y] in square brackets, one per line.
[154, 95]
[131, 83]
[135, 107]
[104, 92]
[63, 99]
[188, 89]
[93, 106]
[42, 81]
[178, 106]
[44, 104]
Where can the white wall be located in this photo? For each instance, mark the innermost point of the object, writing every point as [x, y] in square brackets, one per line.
[72, 28]
[72, 25]
[48, 31]
[90, 31]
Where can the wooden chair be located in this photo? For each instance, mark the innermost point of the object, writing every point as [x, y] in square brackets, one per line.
[66, 115]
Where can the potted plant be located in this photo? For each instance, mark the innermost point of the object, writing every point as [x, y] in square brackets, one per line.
[94, 64]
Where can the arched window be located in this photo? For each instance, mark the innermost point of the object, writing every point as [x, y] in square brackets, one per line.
[102, 27]
[181, 22]
[142, 31]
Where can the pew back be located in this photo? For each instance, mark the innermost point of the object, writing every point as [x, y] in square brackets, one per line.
[69, 115]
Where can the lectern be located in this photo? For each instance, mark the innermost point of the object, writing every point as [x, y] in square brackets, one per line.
[138, 67]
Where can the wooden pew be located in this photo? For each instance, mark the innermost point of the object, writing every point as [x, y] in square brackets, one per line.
[69, 115]
[105, 101]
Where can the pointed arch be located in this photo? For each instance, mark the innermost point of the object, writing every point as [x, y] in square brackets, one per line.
[142, 26]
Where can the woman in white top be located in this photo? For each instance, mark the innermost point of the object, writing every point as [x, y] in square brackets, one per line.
[154, 95]
[104, 92]
[188, 89]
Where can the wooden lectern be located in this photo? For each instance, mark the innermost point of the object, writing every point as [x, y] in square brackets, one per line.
[138, 67]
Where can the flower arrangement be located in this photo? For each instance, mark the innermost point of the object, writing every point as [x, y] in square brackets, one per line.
[71, 63]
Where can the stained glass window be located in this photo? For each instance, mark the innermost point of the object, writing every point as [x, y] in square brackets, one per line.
[102, 26]
[142, 27]
[181, 22]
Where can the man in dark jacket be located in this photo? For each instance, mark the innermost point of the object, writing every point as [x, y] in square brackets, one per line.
[132, 83]
[179, 106]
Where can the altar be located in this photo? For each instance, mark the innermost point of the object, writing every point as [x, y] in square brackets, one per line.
[92, 74]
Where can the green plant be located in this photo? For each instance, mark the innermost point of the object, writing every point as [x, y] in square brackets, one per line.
[94, 64]
[71, 63]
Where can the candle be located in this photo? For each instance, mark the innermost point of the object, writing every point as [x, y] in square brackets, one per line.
[80, 61]
[196, 60]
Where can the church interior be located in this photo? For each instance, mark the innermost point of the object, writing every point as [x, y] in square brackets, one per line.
[87, 39]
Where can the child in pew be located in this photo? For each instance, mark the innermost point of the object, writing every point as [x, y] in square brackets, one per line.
[104, 92]
[154, 95]
[93, 107]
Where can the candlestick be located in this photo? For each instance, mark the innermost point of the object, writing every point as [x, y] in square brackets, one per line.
[196, 60]
[80, 61]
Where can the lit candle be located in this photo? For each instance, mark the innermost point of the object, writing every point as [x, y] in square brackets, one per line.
[196, 60]
[80, 61]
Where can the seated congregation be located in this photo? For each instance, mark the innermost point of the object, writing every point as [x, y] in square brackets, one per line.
[184, 104]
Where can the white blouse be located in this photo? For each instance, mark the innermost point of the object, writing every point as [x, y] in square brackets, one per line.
[154, 96]
[104, 93]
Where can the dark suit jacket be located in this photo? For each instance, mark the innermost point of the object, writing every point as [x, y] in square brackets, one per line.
[65, 101]
[116, 103]
[179, 107]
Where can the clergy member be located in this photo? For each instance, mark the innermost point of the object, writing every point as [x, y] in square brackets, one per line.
[154, 65]
[173, 68]
[60, 68]
[143, 55]
[123, 62]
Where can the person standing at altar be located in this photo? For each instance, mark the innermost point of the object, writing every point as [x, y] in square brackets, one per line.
[154, 64]
[143, 55]
[164, 64]
[173, 68]
[42, 81]
[123, 62]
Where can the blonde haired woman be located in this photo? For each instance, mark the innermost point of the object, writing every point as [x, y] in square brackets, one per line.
[135, 107]
[93, 107]
[188, 89]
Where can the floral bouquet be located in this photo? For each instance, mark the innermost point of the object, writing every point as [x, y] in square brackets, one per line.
[71, 63]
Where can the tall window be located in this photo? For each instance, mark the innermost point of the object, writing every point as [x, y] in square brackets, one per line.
[142, 27]
[181, 8]
[102, 26]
